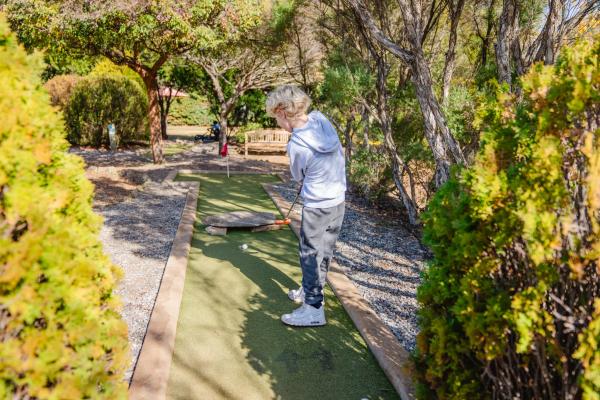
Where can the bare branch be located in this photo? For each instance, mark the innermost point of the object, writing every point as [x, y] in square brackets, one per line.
[385, 41]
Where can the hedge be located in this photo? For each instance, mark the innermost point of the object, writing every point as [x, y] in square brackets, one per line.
[510, 304]
[61, 335]
[97, 101]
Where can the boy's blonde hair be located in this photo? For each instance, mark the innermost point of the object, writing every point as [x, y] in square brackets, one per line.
[290, 99]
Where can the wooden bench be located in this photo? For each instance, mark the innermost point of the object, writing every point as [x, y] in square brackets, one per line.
[266, 140]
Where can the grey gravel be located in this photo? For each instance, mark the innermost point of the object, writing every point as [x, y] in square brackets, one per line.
[137, 235]
[383, 259]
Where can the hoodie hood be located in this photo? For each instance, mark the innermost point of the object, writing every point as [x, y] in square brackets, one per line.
[318, 134]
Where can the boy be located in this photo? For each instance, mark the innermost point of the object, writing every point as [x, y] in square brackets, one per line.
[317, 162]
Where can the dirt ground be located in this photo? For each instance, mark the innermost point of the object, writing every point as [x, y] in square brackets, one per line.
[117, 176]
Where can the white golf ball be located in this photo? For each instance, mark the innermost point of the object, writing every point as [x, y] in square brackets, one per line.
[244, 246]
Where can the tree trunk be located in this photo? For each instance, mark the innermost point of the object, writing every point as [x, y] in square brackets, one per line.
[366, 121]
[163, 126]
[163, 103]
[154, 117]
[444, 147]
[506, 35]
[390, 145]
[548, 36]
[348, 138]
[455, 13]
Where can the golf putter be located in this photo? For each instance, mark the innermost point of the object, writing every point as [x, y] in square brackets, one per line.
[287, 220]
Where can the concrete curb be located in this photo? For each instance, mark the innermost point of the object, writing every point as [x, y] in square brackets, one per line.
[151, 373]
[392, 357]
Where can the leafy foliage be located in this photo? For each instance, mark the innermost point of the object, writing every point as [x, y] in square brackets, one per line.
[106, 67]
[240, 137]
[63, 64]
[509, 304]
[60, 89]
[369, 173]
[61, 336]
[250, 109]
[190, 111]
[142, 35]
[100, 100]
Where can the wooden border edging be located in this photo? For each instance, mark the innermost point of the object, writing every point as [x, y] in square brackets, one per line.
[392, 357]
[151, 373]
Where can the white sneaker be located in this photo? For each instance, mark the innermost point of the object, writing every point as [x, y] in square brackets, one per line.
[305, 315]
[296, 295]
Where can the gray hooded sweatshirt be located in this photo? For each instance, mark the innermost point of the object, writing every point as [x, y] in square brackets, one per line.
[317, 161]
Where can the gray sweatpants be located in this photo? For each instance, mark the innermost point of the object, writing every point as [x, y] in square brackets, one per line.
[318, 233]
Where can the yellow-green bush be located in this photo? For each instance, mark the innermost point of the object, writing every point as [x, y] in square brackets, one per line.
[99, 100]
[61, 336]
[510, 304]
[106, 67]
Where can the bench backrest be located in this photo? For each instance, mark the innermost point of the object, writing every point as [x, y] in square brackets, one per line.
[267, 136]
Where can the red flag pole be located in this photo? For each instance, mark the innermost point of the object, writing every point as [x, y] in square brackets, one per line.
[225, 153]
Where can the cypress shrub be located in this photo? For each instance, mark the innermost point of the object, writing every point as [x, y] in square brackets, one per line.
[98, 101]
[510, 304]
[61, 336]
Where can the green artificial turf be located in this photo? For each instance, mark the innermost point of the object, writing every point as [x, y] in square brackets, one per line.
[230, 342]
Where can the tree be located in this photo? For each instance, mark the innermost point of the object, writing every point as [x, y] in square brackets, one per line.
[357, 83]
[520, 44]
[61, 333]
[142, 34]
[302, 51]
[254, 62]
[455, 8]
[446, 150]
[173, 78]
[510, 303]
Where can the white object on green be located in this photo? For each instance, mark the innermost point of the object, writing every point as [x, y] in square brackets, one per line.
[112, 136]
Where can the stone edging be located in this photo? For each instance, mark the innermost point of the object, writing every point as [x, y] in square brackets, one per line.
[392, 357]
[151, 373]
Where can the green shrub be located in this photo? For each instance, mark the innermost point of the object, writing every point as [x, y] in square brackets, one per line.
[250, 109]
[106, 67]
[190, 111]
[100, 100]
[369, 172]
[510, 304]
[60, 89]
[61, 336]
[240, 138]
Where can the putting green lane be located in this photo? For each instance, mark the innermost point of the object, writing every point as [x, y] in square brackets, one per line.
[230, 343]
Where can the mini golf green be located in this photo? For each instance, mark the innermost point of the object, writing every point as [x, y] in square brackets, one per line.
[230, 343]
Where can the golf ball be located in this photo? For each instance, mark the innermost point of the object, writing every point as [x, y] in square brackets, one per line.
[244, 246]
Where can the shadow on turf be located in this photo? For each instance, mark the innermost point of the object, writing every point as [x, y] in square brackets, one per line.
[330, 362]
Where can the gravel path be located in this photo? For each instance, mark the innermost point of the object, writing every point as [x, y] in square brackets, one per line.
[137, 235]
[377, 253]
[383, 260]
